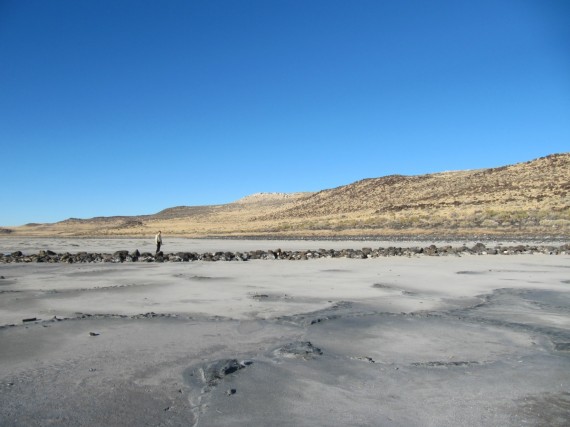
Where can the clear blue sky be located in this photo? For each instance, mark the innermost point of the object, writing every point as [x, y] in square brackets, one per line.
[111, 107]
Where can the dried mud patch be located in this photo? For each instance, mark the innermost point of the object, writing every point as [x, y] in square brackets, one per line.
[382, 286]
[201, 278]
[299, 350]
[471, 272]
[268, 297]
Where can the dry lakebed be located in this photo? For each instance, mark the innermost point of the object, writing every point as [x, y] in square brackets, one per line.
[426, 338]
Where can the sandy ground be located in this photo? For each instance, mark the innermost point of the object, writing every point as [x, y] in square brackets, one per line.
[421, 341]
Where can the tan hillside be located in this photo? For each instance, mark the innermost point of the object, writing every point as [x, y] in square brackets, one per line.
[531, 198]
[524, 196]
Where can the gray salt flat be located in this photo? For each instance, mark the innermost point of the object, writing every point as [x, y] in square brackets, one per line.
[421, 341]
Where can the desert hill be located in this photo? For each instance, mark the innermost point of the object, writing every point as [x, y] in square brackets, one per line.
[530, 198]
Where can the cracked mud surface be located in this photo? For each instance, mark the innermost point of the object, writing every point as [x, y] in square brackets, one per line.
[472, 341]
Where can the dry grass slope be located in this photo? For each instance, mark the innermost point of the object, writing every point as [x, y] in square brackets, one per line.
[531, 198]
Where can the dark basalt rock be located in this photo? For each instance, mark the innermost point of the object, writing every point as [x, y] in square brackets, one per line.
[210, 374]
[478, 248]
[216, 371]
[120, 256]
[432, 250]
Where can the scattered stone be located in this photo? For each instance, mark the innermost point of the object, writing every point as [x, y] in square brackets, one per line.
[231, 391]
[120, 256]
[300, 349]
[444, 364]
[367, 252]
[214, 372]
[210, 374]
[381, 286]
[94, 334]
[479, 247]
[364, 359]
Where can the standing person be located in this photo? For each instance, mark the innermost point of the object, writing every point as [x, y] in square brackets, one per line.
[158, 239]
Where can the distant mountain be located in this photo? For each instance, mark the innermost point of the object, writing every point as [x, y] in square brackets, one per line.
[530, 198]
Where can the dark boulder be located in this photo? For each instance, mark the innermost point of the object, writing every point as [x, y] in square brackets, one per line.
[479, 248]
